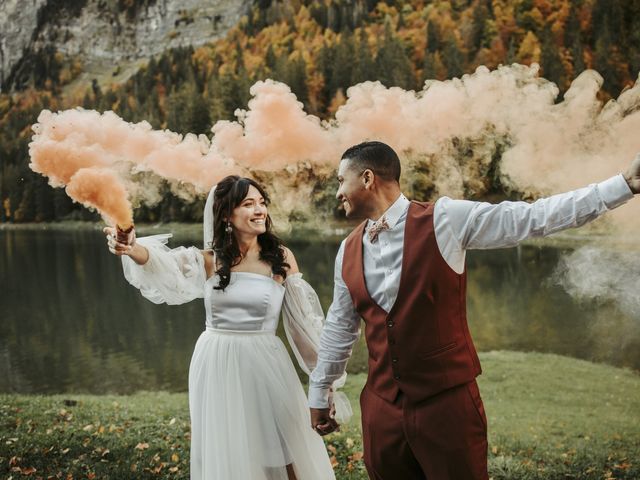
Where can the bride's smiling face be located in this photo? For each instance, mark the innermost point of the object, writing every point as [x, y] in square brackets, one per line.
[250, 217]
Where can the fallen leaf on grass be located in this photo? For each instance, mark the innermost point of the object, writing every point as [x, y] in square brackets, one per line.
[25, 470]
[357, 456]
[142, 446]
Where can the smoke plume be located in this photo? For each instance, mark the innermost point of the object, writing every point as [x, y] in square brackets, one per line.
[458, 137]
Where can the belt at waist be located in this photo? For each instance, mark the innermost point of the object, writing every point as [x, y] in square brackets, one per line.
[225, 331]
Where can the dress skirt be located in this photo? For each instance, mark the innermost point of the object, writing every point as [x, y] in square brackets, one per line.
[249, 413]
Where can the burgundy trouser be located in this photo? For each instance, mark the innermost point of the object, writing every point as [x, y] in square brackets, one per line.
[441, 438]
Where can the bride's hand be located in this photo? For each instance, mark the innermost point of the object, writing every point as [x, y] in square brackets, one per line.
[116, 247]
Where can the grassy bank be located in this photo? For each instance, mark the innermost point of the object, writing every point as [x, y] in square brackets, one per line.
[550, 417]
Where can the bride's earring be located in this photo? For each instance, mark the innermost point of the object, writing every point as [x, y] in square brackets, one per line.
[228, 229]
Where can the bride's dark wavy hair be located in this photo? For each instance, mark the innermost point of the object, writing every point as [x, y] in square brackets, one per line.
[229, 194]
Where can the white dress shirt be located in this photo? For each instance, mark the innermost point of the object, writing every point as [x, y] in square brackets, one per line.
[459, 225]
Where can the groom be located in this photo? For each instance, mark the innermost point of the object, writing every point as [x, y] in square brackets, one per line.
[403, 272]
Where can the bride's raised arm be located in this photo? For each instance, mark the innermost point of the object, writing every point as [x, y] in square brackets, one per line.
[169, 275]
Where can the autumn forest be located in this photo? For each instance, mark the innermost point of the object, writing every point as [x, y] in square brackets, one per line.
[319, 48]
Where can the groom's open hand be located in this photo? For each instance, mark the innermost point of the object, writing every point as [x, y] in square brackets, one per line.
[632, 176]
[322, 421]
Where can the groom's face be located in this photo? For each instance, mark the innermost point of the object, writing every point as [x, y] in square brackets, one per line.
[351, 190]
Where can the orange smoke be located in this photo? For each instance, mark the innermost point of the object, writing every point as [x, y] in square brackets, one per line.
[546, 147]
[81, 141]
[101, 189]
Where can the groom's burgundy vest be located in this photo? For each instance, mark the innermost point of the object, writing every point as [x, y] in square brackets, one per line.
[422, 346]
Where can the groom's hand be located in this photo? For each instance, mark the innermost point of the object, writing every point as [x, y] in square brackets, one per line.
[632, 176]
[322, 421]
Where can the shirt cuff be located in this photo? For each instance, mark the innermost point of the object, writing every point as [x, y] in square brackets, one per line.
[615, 191]
[318, 397]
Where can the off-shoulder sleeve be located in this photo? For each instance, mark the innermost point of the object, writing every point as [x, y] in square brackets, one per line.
[303, 320]
[171, 276]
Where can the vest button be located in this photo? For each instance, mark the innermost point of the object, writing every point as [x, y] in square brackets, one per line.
[394, 360]
[390, 324]
[396, 377]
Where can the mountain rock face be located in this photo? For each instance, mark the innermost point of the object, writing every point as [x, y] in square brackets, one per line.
[102, 34]
[18, 20]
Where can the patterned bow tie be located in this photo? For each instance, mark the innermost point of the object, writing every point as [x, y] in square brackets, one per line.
[376, 228]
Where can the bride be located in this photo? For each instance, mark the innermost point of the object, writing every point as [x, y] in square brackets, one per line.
[249, 415]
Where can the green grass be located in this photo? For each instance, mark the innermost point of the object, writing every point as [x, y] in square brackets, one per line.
[550, 417]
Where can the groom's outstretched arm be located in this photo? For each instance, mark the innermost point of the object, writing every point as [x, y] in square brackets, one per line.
[461, 224]
[340, 332]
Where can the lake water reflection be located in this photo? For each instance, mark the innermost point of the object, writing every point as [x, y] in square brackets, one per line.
[69, 322]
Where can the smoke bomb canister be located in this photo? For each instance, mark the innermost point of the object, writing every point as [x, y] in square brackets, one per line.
[122, 234]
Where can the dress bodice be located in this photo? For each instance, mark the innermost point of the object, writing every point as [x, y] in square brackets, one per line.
[250, 302]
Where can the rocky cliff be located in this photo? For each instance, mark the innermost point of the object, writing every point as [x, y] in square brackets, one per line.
[103, 38]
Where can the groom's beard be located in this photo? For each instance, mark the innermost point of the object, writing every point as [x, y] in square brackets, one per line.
[354, 213]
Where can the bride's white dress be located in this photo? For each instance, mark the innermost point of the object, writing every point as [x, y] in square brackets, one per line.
[249, 414]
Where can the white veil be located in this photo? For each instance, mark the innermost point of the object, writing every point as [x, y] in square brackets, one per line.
[207, 222]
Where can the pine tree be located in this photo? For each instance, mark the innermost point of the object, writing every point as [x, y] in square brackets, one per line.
[552, 66]
[632, 22]
[453, 58]
[511, 57]
[270, 58]
[343, 63]
[476, 38]
[573, 40]
[318, 11]
[433, 37]
[297, 79]
[428, 67]
[334, 17]
[392, 63]
[364, 66]
[178, 114]
[326, 68]
[604, 61]
[199, 118]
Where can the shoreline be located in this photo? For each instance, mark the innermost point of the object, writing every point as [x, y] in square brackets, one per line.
[482, 354]
[595, 235]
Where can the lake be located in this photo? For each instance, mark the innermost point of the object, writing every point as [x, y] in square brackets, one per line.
[69, 322]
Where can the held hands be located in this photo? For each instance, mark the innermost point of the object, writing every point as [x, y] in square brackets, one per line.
[119, 248]
[322, 420]
[632, 176]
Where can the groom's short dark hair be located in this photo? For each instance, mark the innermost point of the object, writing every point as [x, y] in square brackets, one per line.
[378, 157]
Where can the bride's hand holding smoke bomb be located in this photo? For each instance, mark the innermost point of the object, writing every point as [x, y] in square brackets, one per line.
[123, 242]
